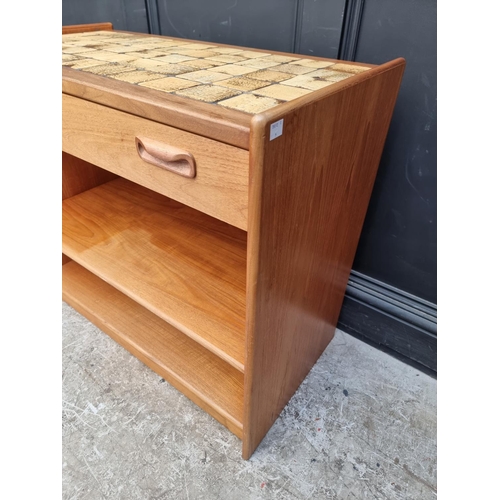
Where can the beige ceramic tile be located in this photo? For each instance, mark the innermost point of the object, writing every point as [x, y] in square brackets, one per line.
[197, 46]
[89, 34]
[78, 50]
[208, 93]
[167, 69]
[114, 34]
[138, 47]
[83, 63]
[249, 103]
[153, 39]
[170, 43]
[311, 63]
[97, 46]
[293, 69]
[227, 58]
[111, 56]
[166, 51]
[253, 54]
[78, 42]
[109, 69]
[136, 76]
[349, 68]
[233, 69]
[142, 43]
[204, 76]
[243, 83]
[204, 63]
[176, 69]
[121, 49]
[246, 80]
[105, 45]
[259, 63]
[338, 76]
[282, 59]
[69, 57]
[307, 82]
[329, 75]
[146, 54]
[174, 58]
[269, 75]
[282, 92]
[169, 84]
[321, 73]
[146, 63]
[226, 50]
[198, 54]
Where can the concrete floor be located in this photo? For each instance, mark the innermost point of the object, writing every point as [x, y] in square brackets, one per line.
[362, 425]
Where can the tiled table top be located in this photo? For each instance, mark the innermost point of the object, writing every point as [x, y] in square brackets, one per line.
[235, 78]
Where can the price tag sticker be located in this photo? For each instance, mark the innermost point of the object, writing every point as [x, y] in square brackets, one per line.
[276, 129]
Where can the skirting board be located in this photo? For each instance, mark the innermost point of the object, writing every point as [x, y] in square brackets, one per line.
[391, 319]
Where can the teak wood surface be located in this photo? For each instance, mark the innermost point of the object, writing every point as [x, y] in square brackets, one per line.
[78, 176]
[309, 192]
[217, 387]
[185, 267]
[82, 28]
[258, 307]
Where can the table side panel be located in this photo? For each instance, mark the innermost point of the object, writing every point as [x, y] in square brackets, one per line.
[309, 192]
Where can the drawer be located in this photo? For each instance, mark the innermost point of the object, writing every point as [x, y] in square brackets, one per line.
[160, 158]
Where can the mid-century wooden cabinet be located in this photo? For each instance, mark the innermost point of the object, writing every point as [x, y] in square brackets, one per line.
[213, 198]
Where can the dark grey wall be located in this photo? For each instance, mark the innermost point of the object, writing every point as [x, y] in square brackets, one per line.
[124, 14]
[305, 26]
[391, 296]
[398, 244]
[253, 24]
[319, 27]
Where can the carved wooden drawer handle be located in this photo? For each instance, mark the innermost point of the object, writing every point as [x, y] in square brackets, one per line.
[165, 156]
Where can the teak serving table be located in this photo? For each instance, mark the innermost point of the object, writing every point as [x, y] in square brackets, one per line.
[213, 198]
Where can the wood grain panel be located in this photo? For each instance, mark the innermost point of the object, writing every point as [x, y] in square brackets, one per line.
[81, 28]
[309, 191]
[79, 175]
[204, 378]
[185, 267]
[106, 137]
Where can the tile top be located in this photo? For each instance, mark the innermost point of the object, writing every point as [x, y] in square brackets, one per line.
[241, 79]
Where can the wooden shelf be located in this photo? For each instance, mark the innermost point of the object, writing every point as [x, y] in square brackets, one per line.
[180, 264]
[210, 382]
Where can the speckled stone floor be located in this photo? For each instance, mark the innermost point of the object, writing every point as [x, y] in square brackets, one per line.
[361, 426]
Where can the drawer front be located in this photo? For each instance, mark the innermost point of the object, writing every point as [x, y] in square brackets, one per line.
[160, 158]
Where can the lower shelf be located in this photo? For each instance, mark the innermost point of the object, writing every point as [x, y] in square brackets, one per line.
[207, 380]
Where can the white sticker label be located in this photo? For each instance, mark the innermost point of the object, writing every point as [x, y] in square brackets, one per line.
[276, 129]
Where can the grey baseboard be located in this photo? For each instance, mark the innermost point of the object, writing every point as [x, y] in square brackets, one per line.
[396, 321]
[153, 18]
[350, 30]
